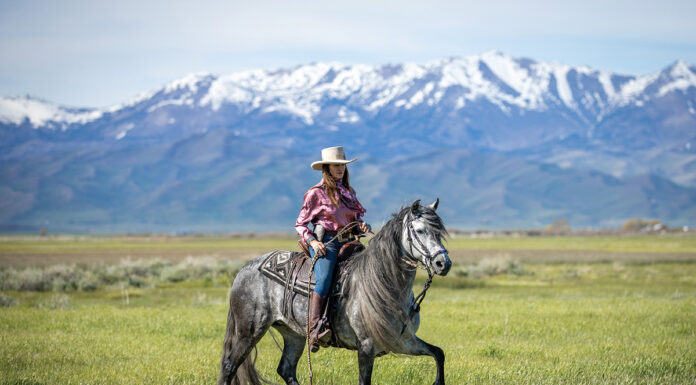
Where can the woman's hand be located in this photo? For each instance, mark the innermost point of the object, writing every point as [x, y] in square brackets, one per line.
[318, 247]
[364, 227]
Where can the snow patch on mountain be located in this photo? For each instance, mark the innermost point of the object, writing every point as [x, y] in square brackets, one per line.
[632, 90]
[684, 78]
[506, 69]
[223, 90]
[189, 82]
[560, 74]
[39, 113]
[530, 83]
[123, 130]
[605, 79]
[171, 102]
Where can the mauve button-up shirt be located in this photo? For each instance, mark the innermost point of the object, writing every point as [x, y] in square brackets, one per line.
[318, 209]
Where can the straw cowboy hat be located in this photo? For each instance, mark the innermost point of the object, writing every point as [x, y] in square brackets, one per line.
[332, 155]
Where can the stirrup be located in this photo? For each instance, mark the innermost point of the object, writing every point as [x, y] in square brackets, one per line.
[322, 337]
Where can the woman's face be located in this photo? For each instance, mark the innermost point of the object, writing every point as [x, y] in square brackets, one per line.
[337, 170]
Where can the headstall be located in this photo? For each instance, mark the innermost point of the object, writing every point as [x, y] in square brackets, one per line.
[411, 235]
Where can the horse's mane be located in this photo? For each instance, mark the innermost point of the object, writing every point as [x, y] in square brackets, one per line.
[376, 279]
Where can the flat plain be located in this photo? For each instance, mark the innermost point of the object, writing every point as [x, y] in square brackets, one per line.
[37, 250]
[541, 310]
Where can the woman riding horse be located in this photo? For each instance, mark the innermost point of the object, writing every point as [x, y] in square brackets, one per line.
[376, 311]
[331, 204]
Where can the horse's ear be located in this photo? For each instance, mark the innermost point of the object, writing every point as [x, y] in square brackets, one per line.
[434, 205]
[415, 206]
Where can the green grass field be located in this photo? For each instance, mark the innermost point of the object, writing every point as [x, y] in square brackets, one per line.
[567, 322]
[628, 243]
[35, 250]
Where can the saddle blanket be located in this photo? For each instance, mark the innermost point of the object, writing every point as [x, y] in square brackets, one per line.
[290, 269]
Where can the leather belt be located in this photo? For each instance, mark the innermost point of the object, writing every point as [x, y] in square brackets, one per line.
[343, 238]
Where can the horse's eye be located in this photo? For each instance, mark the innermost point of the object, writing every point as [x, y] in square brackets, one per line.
[420, 231]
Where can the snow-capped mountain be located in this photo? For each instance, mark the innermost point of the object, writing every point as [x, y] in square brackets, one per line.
[364, 91]
[576, 119]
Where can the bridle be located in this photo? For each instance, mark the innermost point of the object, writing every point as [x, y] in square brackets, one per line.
[411, 235]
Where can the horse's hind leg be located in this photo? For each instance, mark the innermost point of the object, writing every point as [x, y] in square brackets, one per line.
[293, 345]
[244, 330]
[418, 347]
[233, 361]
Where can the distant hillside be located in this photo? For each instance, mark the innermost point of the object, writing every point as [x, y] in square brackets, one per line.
[504, 142]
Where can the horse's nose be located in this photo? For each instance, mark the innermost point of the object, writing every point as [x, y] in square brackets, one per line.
[442, 264]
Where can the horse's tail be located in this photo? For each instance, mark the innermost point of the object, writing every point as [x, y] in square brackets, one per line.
[245, 373]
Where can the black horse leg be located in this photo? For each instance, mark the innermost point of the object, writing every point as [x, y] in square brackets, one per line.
[238, 352]
[293, 345]
[366, 359]
[238, 343]
[418, 347]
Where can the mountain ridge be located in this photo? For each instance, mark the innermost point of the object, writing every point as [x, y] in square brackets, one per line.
[208, 149]
[517, 86]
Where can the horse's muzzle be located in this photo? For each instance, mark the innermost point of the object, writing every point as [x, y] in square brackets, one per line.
[441, 263]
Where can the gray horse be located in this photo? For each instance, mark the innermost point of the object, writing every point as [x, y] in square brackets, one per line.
[374, 311]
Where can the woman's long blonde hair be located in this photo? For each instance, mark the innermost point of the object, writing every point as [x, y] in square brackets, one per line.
[330, 184]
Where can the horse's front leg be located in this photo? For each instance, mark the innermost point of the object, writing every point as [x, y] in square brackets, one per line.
[417, 347]
[366, 359]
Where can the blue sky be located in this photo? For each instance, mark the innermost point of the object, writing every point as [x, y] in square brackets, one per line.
[99, 53]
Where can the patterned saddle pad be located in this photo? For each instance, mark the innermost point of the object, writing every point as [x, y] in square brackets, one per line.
[290, 269]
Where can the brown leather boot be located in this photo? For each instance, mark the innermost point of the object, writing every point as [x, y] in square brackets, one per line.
[316, 310]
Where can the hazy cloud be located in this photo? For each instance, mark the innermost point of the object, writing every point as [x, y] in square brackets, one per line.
[98, 52]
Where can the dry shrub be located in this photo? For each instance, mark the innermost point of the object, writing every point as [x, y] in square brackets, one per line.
[56, 301]
[129, 273]
[6, 301]
[491, 266]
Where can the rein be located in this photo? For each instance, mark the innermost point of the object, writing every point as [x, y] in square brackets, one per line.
[411, 235]
[345, 229]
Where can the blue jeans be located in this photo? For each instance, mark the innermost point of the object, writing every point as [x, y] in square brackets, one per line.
[325, 265]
